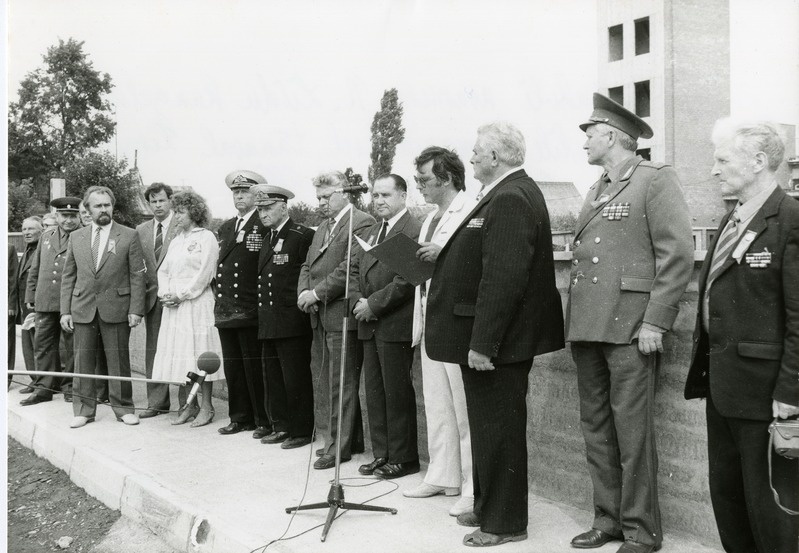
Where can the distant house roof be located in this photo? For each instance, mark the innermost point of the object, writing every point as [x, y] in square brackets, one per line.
[562, 198]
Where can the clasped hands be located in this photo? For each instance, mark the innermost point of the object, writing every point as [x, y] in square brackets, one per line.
[170, 300]
[363, 312]
[307, 301]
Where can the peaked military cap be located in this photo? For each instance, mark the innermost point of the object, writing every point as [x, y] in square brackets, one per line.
[243, 179]
[267, 194]
[614, 114]
[67, 204]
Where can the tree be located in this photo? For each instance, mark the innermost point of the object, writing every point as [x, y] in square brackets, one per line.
[355, 179]
[62, 113]
[302, 213]
[22, 204]
[387, 133]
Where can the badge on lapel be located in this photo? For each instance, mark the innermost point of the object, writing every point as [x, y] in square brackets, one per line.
[278, 246]
[743, 245]
[477, 222]
[112, 246]
[240, 237]
[759, 260]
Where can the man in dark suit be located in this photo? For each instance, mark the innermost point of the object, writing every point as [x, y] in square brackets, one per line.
[102, 293]
[31, 233]
[43, 296]
[492, 307]
[155, 237]
[633, 257]
[384, 310]
[13, 267]
[745, 359]
[284, 330]
[320, 289]
[236, 309]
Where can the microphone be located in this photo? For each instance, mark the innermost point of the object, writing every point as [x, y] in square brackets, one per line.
[207, 363]
[353, 189]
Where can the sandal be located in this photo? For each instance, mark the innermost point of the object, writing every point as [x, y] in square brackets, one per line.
[478, 538]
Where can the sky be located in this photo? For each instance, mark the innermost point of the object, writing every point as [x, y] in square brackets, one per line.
[289, 89]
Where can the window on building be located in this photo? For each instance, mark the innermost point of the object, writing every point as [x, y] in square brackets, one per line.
[642, 105]
[615, 43]
[645, 153]
[642, 36]
[616, 94]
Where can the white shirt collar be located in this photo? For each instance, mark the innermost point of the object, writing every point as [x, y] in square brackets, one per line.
[246, 217]
[395, 218]
[493, 184]
[164, 224]
[281, 225]
[341, 213]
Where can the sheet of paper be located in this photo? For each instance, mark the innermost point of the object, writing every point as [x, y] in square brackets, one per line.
[398, 252]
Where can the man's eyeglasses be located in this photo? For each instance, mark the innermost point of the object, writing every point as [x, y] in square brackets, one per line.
[423, 182]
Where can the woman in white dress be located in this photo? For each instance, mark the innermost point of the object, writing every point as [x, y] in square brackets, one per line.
[184, 289]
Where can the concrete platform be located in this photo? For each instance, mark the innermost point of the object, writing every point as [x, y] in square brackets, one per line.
[203, 492]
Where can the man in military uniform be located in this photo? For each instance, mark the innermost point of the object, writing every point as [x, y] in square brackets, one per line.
[284, 330]
[320, 291]
[384, 310]
[633, 257]
[236, 309]
[43, 295]
[32, 228]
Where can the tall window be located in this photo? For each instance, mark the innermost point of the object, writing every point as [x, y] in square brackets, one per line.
[615, 43]
[642, 107]
[641, 36]
[616, 94]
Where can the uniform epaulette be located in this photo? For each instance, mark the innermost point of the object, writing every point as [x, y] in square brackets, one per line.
[298, 229]
[653, 164]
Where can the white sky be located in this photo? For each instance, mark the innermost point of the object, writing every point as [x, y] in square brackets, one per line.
[289, 89]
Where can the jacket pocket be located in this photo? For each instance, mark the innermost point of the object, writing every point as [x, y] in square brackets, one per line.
[77, 292]
[760, 350]
[636, 284]
[123, 291]
[463, 309]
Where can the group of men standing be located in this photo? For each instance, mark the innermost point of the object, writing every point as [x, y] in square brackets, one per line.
[296, 307]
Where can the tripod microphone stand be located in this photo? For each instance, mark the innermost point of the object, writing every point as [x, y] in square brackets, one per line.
[335, 497]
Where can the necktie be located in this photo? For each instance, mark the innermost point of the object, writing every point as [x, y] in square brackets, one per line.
[331, 223]
[238, 225]
[723, 248]
[604, 181]
[273, 240]
[383, 231]
[159, 241]
[96, 248]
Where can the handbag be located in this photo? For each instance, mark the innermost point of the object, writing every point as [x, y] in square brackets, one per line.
[784, 439]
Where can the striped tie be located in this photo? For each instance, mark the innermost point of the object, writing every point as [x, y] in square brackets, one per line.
[723, 248]
[96, 248]
[159, 241]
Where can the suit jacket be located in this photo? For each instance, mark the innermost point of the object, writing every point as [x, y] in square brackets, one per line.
[493, 289]
[633, 256]
[13, 293]
[147, 238]
[21, 282]
[116, 289]
[278, 273]
[325, 268]
[751, 354]
[460, 207]
[390, 296]
[235, 285]
[43, 287]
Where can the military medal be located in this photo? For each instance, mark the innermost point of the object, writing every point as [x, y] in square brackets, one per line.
[240, 237]
[615, 212]
[759, 260]
[279, 245]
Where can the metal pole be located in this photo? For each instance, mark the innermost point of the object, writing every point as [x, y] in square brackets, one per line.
[95, 377]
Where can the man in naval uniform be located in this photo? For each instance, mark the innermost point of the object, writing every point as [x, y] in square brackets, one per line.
[236, 309]
[633, 257]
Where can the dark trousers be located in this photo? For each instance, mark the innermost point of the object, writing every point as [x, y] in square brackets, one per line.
[12, 345]
[747, 516]
[157, 394]
[326, 371]
[115, 337]
[390, 399]
[101, 368]
[288, 385]
[241, 352]
[47, 351]
[496, 402]
[617, 397]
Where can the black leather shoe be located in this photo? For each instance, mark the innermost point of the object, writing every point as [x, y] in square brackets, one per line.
[293, 443]
[593, 538]
[275, 438]
[261, 432]
[68, 397]
[631, 546]
[327, 462]
[33, 399]
[397, 470]
[369, 468]
[149, 413]
[236, 427]
[102, 400]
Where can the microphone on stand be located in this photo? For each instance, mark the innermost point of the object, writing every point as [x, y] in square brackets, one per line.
[207, 363]
[353, 189]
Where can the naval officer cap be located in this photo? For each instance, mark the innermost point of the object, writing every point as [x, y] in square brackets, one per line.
[267, 194]
[243, 179]
[67, 204]
[611, 113]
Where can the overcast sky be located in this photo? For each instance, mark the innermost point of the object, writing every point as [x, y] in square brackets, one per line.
[289, 89]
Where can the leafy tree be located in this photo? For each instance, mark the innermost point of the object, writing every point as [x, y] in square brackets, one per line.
[22, 204]
[304, 214]
[387, 133]
[563, 222]
[62, 113]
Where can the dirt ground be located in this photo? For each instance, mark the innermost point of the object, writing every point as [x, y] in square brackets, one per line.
[44, 506]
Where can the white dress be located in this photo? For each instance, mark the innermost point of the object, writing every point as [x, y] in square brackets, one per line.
[187, 330]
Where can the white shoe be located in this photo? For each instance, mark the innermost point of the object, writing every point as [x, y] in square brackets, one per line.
[462, 506]
[130, 419]
[429, 490]
[79, 422]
